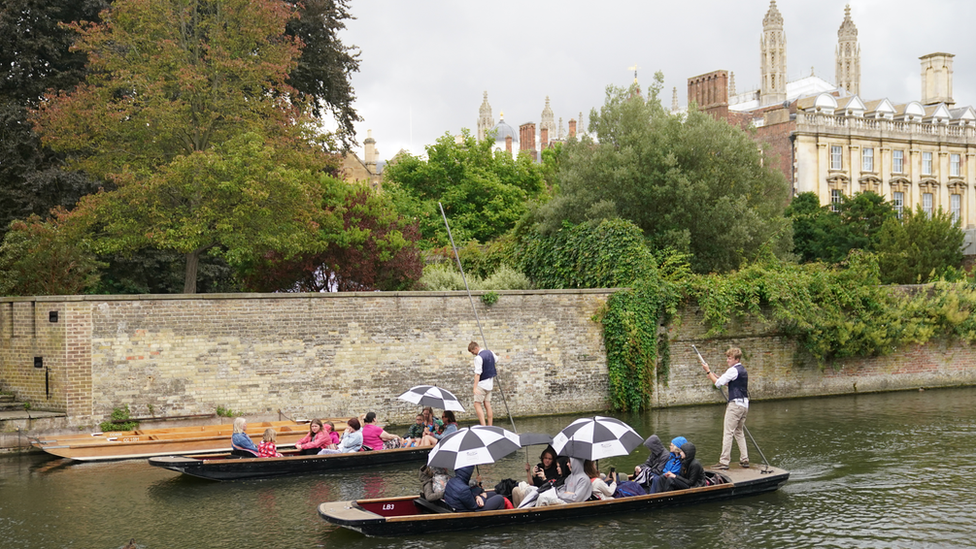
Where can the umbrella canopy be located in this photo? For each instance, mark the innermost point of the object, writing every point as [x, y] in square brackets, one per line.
[596, 438]
[435, 397]
[473, 446]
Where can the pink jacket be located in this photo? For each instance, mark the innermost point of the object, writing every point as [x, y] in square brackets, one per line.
[322, 439]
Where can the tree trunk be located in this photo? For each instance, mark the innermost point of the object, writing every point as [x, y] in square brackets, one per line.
[190, 278]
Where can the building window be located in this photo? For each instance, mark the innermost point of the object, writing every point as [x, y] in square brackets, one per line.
[867, 160]
[835, 199]
[836, 157]
[899, 199]
[927, 203]
[898, 161]
[926, 163]
[956, 204]
[954, 165]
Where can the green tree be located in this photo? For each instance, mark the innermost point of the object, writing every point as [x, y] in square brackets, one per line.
[820, 234]
[173, 87]
[692, 183]
[484, 193]
[41, 257]
[919, 248]
[34, 57]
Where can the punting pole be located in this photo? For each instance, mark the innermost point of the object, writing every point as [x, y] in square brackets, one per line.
[744, 428]
[475, 309]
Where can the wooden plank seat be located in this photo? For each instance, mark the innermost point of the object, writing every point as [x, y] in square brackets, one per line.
[432, 506]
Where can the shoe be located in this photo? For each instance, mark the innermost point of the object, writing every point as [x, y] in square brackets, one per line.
[720, 467]
[744, 464]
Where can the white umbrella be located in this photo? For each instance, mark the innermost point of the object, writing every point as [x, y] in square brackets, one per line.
[596, 438]
[473, 446]
[433, 396]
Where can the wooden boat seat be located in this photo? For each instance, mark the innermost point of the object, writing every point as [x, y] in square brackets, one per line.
[432, 506]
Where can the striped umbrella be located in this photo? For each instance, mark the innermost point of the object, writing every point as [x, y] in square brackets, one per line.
[596, 438]
[433, 396]
[473, 446]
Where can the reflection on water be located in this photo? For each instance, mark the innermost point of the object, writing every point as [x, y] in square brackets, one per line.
[891, 470]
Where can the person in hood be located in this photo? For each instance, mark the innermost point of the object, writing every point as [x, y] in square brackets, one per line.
[548, 470]
[654, 466]
[462, 497]
[691, 475]
[577, 486]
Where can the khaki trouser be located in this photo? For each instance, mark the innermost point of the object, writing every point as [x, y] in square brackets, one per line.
[735, 422]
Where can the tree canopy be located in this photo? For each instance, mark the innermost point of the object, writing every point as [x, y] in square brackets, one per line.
[484, 193]
[820, 234]
[693, 184]
[186, 108]
[919, 248]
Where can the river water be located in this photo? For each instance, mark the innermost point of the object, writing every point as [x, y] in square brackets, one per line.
[879, 471]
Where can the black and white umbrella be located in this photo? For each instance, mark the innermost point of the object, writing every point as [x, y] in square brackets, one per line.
[475, 445]
[596, 438]
[433, 396]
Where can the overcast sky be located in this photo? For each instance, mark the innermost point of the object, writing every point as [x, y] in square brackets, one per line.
[426, 63]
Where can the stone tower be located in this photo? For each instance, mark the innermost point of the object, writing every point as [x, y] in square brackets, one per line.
[548, 122]
[772, 64]
[937, 79]
[485, 121]
[848, 56]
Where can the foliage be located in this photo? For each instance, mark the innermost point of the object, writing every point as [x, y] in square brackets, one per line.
[920, 248]
[363, 245]
[483, 193]
[695, 184]
[34, 57]
[226, 412]
[45, 258]
[478, 259]
[154, 271]
[118, 421]
[607, 254]
[444, 278]
[489, 298]
[323, 74]
[819, 234]
[186, 108]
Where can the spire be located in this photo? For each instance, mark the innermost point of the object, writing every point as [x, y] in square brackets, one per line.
[674, 99]
[562, 129]
[772, 63]
[848, 56]
[548, 121]
[485, 120]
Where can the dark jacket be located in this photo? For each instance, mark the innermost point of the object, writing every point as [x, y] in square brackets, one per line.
[659, 455]
[692, 473]
[458, 494]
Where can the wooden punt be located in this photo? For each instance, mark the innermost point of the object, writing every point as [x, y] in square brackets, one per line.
[410, 515]
[145, 443]
[224, 466]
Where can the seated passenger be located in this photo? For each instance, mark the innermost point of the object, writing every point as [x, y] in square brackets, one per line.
[601, 489]
[691, 475]
[329, 428]
[547, 470]
[431, 423]
[450, 426]
[375, 437]
[577, 485]
[316, 439]
[240, 443]
[352, 439]
[415, 433]
[462, 497]
[654, 465]
[433, 482]
[268, 447]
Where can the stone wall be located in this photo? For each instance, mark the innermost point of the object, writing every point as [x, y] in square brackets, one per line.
[343, 354]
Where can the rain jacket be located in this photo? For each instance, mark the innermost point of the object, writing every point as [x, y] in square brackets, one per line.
[659, 455]
[692, 474]
[459, 495]
[433, 481]
[674, 461]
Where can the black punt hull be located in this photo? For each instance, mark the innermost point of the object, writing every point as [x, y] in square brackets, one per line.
[401, 516]
[225, 467]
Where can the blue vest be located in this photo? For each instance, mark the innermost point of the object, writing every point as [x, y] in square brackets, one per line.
[739, 387]
[487, 364]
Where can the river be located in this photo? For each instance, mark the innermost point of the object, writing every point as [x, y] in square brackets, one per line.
[878, 471]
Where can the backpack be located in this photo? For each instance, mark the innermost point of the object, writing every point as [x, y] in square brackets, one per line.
[505, 487]
[628, 489]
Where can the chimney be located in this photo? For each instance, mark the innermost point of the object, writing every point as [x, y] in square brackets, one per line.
[572, 128]
[544, 138]
[508, 144]
[937, 79]
[527, 139]
[370, 152]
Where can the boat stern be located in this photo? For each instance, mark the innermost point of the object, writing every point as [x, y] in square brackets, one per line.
[349, 514]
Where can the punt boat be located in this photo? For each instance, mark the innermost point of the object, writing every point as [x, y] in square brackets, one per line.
[225, 466]
[410, 515]
[144, 443]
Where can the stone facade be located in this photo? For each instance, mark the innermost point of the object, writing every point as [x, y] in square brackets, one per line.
[332, 355]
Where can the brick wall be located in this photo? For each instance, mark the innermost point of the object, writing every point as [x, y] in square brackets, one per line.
[344, 354]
